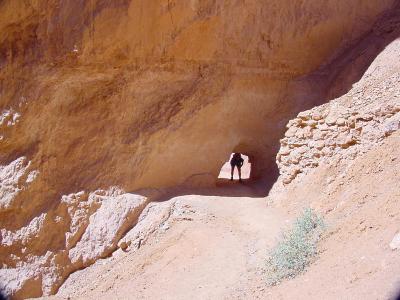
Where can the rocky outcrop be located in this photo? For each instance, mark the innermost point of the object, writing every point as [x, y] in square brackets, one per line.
[395, 243]
[90, 226]
[348, 126]
[154, 217]
[14, 177]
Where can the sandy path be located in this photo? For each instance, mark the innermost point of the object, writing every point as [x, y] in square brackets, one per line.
[213, 252]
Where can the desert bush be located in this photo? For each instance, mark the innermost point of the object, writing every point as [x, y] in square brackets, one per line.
[295, 251]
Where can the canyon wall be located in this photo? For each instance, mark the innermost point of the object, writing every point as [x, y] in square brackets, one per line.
[148, 94]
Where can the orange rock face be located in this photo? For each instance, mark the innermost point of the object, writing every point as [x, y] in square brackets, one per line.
[151, 94]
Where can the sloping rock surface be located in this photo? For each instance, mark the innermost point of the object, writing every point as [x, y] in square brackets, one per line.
[348, 126]
[88, 226]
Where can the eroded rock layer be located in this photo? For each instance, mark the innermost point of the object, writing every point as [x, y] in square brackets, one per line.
[348, 126]
[149, 94]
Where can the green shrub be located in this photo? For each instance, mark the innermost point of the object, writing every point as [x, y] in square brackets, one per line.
[296, 249]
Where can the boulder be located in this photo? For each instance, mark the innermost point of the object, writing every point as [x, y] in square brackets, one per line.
[107, 225]
[395, 243]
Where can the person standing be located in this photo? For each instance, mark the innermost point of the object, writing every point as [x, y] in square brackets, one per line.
[236, 161]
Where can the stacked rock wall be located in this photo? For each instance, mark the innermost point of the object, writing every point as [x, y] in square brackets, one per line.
[348, 126]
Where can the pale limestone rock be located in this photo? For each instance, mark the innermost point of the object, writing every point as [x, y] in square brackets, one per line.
[317, 144]
[365, 117]
[106, 226]
[152, 218]
[28, 279]
[392, 124]
[312, 123]
[304, 115]
[340, 121]
[395, 243]
[319, 135]
[330, 120]
[284, 151]
[97, 221]
[9, 118]
[294, 122]
[323, 127]
[10, 184]
[292, 131]
[301, 150]
[316, 116]
[24, 234]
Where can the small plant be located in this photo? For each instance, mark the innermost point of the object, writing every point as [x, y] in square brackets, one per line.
[296, 249]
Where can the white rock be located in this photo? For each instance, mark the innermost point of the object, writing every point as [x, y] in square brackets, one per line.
[10, 180]
[316, 116]
[291, 132]
[106, 226]
[341, 122]
[392, 124]
[330, 120]
[151, 219]
[395, 243]
[305, 115]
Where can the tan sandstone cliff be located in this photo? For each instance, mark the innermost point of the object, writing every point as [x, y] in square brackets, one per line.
[213, 245]
[150, 94]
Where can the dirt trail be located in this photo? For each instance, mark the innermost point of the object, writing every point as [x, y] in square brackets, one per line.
[214, 251]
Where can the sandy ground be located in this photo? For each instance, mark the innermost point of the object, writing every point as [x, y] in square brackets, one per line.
[213, 252]
[360, 201]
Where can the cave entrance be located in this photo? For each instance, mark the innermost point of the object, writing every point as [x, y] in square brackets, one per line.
[225, 172]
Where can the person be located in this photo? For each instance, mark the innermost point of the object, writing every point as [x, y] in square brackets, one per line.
[236, 161]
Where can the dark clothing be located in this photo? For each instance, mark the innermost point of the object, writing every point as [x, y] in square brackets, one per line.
[237, 160]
